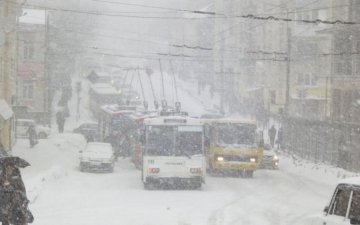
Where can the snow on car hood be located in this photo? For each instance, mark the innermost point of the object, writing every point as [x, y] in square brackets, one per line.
[97, 154]
[269, 153]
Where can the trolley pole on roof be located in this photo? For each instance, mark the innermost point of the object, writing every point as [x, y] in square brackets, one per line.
[142, 90]
[156, 104]
[125, 78]
[177, 103]
[163, 101]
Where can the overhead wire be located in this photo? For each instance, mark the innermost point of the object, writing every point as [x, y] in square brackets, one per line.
[249, 16]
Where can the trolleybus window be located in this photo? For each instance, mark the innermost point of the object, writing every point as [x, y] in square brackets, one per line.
[188, 141]
[160, 140]
[230, 134]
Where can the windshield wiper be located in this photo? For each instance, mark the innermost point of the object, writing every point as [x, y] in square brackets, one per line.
[187, 155]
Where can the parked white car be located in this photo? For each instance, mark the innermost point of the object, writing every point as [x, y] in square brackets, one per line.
[97, 156]
[343, 208]
[22, 126]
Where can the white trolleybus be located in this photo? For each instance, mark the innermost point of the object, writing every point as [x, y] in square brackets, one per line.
[173, 153]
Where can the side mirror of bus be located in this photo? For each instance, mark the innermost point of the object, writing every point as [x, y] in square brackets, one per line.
[326, 210]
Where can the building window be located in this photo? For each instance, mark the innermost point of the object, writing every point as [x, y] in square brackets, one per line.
[273, 97]
[28, 50]
[28, 89]
[306, 79]
[315, 14]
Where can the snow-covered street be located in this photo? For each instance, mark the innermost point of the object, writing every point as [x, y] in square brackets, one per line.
[60, 194]
[186, 105]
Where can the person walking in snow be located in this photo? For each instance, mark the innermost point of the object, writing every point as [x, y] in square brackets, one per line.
[31, 132]
[60, 120]
[279, 138]
[272, 134]
[3, 152]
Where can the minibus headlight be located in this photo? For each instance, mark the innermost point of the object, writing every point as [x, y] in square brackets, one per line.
[220, 158]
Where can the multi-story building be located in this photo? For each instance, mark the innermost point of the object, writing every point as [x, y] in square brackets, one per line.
[250, 54]
[310, 62]
[31, 74]
[345, 79]
[8, 59]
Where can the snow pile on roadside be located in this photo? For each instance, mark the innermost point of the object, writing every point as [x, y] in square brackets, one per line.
[319, 172]
[36, 185]
[50, 160]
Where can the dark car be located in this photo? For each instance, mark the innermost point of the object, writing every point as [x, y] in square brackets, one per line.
[90, 131]
[270, 159]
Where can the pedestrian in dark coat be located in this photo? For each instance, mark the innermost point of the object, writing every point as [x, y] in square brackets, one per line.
[31, 132]
[60, 121]
[272, 134]
[280, 138]
[3, 152]
[13, 193]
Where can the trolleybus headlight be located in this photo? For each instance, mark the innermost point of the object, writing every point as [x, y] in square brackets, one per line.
[195, 170]
[153, 170]
[252, 160]
[220, 158]
[276, 157]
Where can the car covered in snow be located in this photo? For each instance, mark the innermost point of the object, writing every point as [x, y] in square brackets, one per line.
[270, 158]
[22, 126]
[344, 206]
[97, 156]
[89, 130]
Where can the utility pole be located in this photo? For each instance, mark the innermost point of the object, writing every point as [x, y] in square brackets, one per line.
[288, 61]
[48, 95]
[222, 85]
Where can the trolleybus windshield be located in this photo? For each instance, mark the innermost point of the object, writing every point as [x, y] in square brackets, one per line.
[174, 140]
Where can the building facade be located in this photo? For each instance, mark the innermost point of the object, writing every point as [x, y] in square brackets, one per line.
[8, 61]
[31, 74]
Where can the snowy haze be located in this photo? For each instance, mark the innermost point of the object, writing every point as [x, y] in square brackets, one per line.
[236, 67]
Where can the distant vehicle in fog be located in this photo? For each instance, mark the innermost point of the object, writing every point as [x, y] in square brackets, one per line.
[270, 159]
[102, 94]
[97, 156]
[22, 126]
[89, 130]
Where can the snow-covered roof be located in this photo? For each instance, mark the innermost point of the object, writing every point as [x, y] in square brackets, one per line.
[308, 97]
[351, 181]
[105, 89]
[173, 120]
[5, 110]
[120, 110]
[33, 16]
[230, 120]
